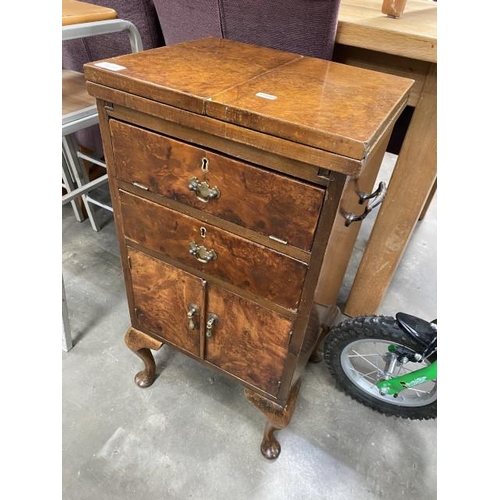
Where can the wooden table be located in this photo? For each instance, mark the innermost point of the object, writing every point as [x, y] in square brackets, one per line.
[406, 47]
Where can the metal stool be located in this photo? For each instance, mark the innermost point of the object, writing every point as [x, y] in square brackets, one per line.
[79, 111]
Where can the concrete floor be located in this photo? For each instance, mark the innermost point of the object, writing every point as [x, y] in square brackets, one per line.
[193, 435]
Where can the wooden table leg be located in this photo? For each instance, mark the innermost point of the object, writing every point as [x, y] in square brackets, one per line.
[409, 187]
[429, 200]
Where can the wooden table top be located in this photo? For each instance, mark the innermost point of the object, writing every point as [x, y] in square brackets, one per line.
[74, 92]
[75, 12]
[414, 35]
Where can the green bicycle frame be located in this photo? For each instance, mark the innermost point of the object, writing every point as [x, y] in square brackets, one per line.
[395, 385]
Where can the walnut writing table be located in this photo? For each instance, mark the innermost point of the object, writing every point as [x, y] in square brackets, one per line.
[406, 46]
[229, 166]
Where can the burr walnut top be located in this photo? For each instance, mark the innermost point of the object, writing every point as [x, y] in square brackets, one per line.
[326, 105]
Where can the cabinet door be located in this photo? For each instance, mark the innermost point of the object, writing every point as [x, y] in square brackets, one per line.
[167, 301]
[246, 340]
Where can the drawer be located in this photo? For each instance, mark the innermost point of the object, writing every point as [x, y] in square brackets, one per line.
[238, 261]
[274, 204]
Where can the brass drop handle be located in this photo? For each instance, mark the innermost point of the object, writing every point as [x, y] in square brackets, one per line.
[203, 190]
[201, 253]
[193, 311]
[378, 195]
[213, 319]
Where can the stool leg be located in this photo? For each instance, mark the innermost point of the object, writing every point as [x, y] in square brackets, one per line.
[67, 341]
[70, 148]
[70, 185]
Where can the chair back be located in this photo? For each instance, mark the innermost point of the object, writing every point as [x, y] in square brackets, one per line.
[184, 20]
[306, 27]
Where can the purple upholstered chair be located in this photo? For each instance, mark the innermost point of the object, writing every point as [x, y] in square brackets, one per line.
[183, 20]
[305, 27]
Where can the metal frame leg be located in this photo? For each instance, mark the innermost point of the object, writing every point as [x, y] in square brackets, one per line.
[76, 167]
[70, 185]
[67, 341]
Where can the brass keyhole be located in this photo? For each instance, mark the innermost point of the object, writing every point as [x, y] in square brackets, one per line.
[204, 164]
[203, 232]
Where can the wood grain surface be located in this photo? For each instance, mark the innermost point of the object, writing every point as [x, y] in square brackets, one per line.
[310, 101]
[162, 295]
[274, 205]
[414, 35]
[241, 262]
[75, 12]
[248, 341]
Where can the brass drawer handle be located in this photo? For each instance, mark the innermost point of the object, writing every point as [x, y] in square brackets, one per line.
[203, 190]
[213, 319]
[201, 253]
[378, 194]
[193, 311]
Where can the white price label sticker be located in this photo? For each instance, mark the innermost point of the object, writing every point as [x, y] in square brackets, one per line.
[266, 96]
[110, 66]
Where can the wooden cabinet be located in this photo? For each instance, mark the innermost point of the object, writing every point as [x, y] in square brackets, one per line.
[233, 170]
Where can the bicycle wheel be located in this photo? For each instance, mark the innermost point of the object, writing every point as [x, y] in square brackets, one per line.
[355, 353]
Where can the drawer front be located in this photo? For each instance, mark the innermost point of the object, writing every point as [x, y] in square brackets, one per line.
[245, 264]
[246, 339]
[167, 301]
[266, 202]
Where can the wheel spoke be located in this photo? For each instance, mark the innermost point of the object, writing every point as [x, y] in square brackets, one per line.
[366, 376]
[364, 358]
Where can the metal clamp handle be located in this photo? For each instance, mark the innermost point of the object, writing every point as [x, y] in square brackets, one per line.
[213, 319]
[378, 195]
[201, 253]
[193, 310]
[203, 190]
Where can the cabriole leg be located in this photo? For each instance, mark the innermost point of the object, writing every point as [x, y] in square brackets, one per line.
[278, 417]
[140, 344]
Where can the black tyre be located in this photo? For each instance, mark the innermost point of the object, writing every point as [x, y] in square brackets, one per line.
[354, 354]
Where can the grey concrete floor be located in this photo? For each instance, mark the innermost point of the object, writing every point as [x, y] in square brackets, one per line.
[192, 434]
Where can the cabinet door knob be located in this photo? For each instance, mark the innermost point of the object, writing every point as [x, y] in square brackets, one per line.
[213, 319]
[201, 253]
[203, 190]
[193, 311]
